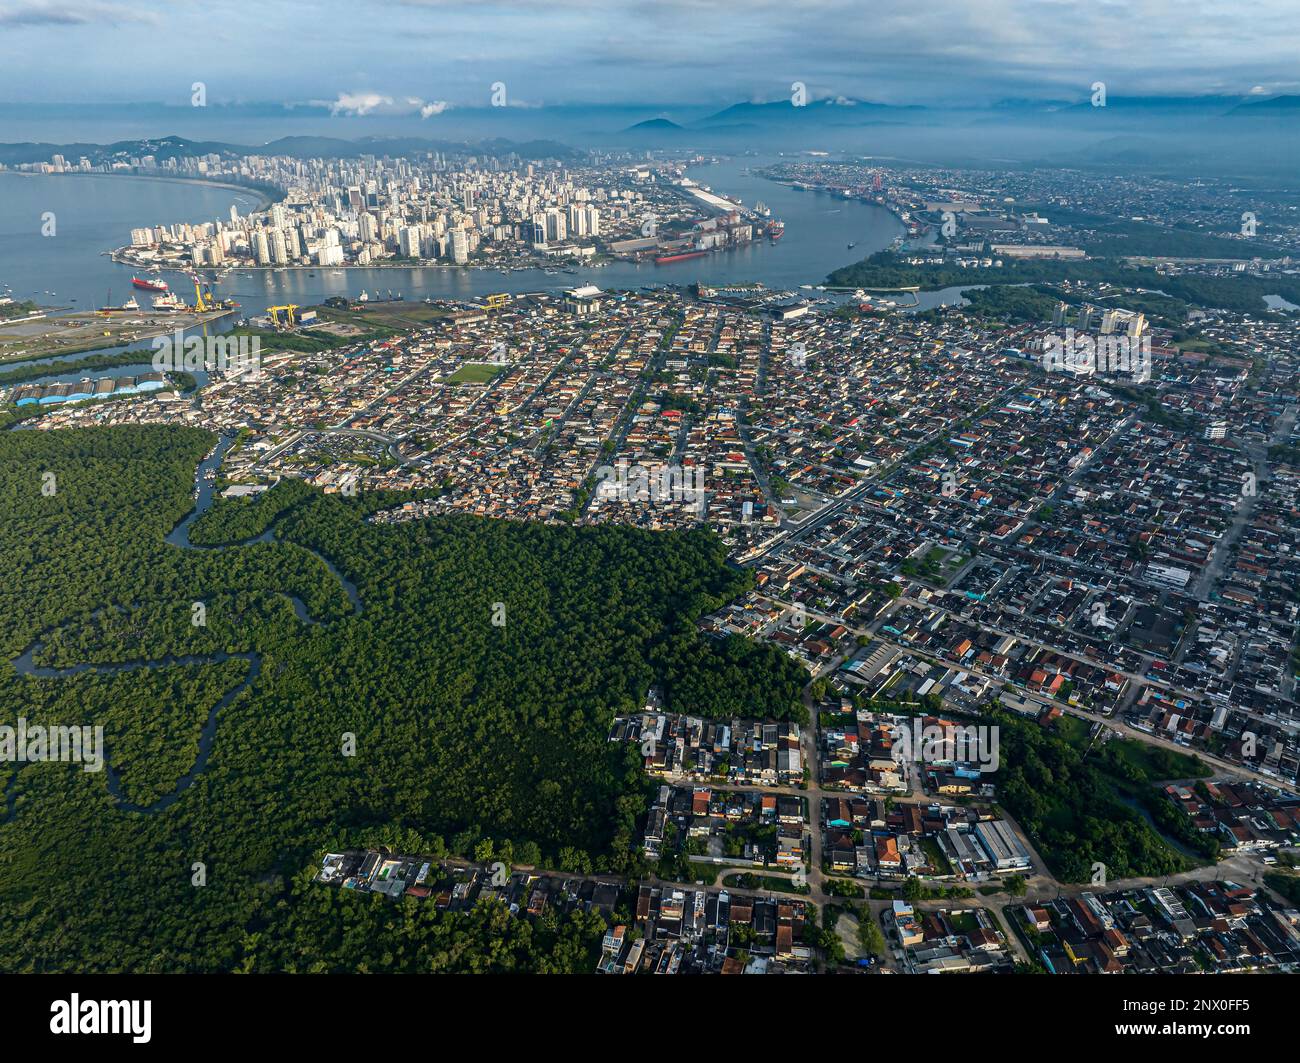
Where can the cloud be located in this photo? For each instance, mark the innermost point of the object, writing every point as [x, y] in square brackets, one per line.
[77, 13]
[356, 103]
[678, 52]
[360, 104]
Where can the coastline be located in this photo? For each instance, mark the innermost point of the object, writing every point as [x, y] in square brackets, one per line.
[265, 197]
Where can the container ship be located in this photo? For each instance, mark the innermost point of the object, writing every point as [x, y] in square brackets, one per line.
[150, 284]
[679, 257]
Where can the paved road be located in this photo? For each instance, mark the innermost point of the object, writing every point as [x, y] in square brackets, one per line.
[1226, 767]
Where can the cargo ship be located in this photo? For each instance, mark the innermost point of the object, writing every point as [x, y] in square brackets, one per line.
[150, 284]
[775, 230]
[130, 306]
[680, 257]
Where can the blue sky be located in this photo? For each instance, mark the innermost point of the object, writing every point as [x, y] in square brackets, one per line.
[423, 57]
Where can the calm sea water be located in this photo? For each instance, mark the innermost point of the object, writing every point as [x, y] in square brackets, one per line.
[92, 213]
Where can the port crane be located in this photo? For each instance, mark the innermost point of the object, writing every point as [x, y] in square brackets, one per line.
[201, 305]
[290, 311]
[205, 301]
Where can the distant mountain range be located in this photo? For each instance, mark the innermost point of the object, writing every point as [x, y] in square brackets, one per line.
[841, 113]
[1246, 136]
[654, 124]
[297, 147]
[1280, 106]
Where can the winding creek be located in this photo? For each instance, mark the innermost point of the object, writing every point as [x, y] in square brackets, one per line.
[204, 494]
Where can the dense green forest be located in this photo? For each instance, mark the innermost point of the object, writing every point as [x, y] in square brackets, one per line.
[731, 676]
[323, 929]
[1285, 883]
[87, 364]
[1015, 304]
[1072, 805]
[1240, 292]
[1005, 302]
[468, 734]
[1127, 236]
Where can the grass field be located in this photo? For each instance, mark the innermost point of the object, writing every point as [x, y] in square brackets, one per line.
[474, 373]
[749, 881]
[379, 320]
[1074, 730]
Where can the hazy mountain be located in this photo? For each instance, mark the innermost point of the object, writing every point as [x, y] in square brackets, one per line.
[1275, 107]
[831, 111]
[661, 125]
[298, 147]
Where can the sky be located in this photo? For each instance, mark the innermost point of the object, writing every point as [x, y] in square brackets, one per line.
[426, 58]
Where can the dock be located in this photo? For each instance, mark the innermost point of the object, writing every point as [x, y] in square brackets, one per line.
[90, 330]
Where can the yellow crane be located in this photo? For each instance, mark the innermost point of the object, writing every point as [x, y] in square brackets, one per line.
[204, 300]
[289, 310]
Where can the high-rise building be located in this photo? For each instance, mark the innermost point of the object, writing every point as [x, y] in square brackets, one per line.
[1127, 321]
[408, 241]
[557, 229]
[458, 246]
[535, 230]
